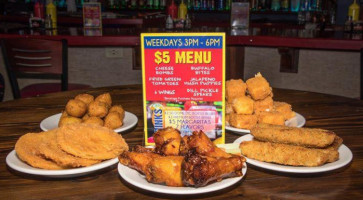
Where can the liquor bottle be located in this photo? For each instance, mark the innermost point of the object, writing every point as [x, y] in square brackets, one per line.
[48, 22]
[142, 4]
[162, 4]
[52, 11]
[169, 23]
[111, 4]
[353, 11]
[305, 4]
[220, 4]
[228, 5]
[37, 11]
[182, 11]
[173, 10]
[284, 5]
[149, 4]
[295, 5]
[196, 5]
[133, 4]
[190, 4]
[211, 4]
[156, 4]
[275, 5]
[123, 4]
[188, 22]
[203, 5]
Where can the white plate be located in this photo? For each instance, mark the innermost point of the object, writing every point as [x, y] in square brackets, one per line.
[345, 156]
[135, 178]
[52, 122]
[297, 121]
[15, 163]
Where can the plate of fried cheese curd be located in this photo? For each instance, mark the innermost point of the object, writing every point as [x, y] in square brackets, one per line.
[251, 102]
[294, 150]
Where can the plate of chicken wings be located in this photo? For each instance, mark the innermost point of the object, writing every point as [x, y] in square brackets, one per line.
[181, 165]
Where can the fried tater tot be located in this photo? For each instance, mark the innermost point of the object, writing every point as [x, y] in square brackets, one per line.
[76, 108]
[272, 117]
[119, 109]
[258, 87]
[284, 109]
[97, 109]
[307, 137]
[287, 154]
[113, 120]
[93, 120]
[234, 89]
[105, 97]
[243, 105]
[264, 104]
[242, 121]
[68, 120]
[86, 98]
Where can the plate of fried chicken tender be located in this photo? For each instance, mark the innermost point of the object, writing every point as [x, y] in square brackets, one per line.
[68, 151]
[181, 165]
[292, 149]
[85, 108]
[249, 103]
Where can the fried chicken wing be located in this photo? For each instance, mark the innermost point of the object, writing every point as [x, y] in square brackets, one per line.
[200, 142]
[200, 170]
[167, 141]
[165, 170]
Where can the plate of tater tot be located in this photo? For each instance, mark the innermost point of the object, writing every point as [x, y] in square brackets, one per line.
[251, 102]
[85, 108]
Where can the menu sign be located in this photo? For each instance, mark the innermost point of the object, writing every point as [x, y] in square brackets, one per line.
[183, 83]
[92, 17]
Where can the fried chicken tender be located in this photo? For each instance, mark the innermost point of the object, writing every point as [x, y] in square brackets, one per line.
[27, 149]
[49, 149]
[266, 104]
[85, 98]
[68, 120]
[234, 89]
[93, 120]
[113, 120]
[272, 117]
[258, 87]
[105, 98]
[284, 109]
[76, 108]
[308, 137]
[97, 109]
[90, 141]
[242, 121]
[287, 154]
[243, 105]
[119, 109]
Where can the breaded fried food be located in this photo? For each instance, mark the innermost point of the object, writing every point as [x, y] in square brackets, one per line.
[167, 141]
[97, 109]
[258, 87]
[27, 149]
[90, 141]
[229, 108]
[113, 120]
[105, 98]
[228, 117]
[68, 120]
[49, 149]
[86, 98]
[284, 108]
[93, 120]
[119, 109]
[336, 144]
[242, 121]
[243, 105]
[76, 108]
[234, 89]
[287, 154]
[265, 104]
[307, 137]
[272, 117]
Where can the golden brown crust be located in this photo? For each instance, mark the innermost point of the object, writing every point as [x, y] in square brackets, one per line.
[97, 109]
[105, 98]
[242, 121]
[91, 141]
[234, 89]
[113, 120]
[85, 98]
[243, 105]
[258, 87]
[93, 120]
[76, 108]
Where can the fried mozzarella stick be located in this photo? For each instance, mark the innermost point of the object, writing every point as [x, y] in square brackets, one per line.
[307, 137]
[287, 154]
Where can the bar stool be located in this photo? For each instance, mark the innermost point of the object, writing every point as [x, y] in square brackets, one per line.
[37, 59]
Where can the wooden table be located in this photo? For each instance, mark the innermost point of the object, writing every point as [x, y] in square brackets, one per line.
[341, 115]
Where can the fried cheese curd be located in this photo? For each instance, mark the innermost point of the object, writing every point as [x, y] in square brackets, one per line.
[272, 117]
[258, 87]
[234, 89]
[243, 105]
[284, 109]
[242, 121]
[266, 104]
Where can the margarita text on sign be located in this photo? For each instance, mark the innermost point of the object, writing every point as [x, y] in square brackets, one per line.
[184, 57]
